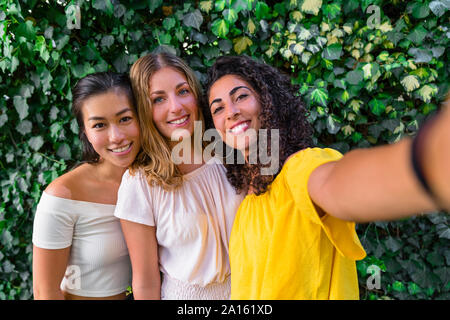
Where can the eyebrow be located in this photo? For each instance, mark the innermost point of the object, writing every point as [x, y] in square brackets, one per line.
[162, 91]
[232, 91]
[117, 114]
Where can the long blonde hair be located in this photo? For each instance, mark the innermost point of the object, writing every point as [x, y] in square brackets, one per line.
[155, 154]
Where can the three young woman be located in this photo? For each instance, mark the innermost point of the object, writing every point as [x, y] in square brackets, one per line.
[79, 251]
[293, 237]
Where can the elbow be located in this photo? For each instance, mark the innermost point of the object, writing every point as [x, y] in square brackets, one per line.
[47, 294]
[329, 195]
[325, 197]
[148, 290]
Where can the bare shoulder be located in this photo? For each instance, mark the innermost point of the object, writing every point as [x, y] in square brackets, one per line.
[67, 185]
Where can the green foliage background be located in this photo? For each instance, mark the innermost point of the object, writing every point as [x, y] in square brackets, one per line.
[370, 72]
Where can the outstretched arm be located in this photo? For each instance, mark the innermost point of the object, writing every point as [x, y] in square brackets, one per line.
[380, 184]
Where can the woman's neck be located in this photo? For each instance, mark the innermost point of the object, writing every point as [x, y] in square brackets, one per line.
[187, 158]
[107, 172]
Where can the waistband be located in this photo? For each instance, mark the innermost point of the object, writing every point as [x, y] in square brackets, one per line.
[174, 289]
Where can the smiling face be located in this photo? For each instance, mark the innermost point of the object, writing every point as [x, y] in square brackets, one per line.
[111, 126]
[174, 105]
[235, 109]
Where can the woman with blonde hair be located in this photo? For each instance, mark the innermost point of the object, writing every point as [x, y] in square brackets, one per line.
[176, 215]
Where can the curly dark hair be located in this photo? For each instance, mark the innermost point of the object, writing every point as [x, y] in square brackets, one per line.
[281, 108]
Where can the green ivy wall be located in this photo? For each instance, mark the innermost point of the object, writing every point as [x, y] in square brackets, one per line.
[370, 72]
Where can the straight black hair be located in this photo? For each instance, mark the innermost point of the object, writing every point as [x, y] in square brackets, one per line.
[92, 85]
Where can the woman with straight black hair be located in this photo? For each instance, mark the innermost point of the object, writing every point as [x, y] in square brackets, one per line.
[79, 251]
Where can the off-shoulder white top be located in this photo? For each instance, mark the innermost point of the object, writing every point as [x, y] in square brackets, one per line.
[99, 264]
[193, 223]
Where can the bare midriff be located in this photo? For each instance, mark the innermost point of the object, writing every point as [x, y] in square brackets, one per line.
[120, 296]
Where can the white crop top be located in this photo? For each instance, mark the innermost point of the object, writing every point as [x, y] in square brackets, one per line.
[99, 264]
[193, 223]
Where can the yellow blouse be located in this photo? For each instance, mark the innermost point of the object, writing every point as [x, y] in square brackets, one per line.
[280, 248]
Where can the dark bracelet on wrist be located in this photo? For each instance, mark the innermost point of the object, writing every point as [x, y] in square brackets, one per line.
[417, 160]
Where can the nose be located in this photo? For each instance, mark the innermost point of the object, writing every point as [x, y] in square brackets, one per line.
[232, 111]
[175, 105]
[116, 134]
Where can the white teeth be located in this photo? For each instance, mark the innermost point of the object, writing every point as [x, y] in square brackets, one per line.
[239, 128]
[121, 149]
[179, 121]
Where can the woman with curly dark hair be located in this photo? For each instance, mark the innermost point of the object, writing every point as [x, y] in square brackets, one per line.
[293, 236]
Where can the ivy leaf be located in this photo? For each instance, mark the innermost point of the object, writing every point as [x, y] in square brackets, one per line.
[225, 45]
[438, 51]
[26, 30]
[331, 11]
[220, 28]
[104, 5]
[304, 34]
[383, 56]
[168, 23]
[377, 107]
[24, 127]
[120, 63]
[410, 83]
[438, 8]
[41, 47]
[219, 5]
[393, 244]
[319, 96]
[443, 231]
[421, 55]
[107, 41]
[21, 106]
[297, 48]
[240, 44]
[332, 52]
[333, 126]
[230, 15]
[395, 36]
[367, 69]
[193, 19]
[240, 5]
[154, 4]
[74, 126]
[297, 16]
[426, 92]
[355, 105]
[306, 56]
[206, 6]
[262, 11]
[398, 286]
[251, 27]
[311, 6]
[420, 10]
[385, 27]
[354, 77]
[3, 119]
[64, 151]
[413, 288]
[36, 143]
[348, 130]
[418, 34]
